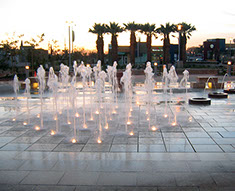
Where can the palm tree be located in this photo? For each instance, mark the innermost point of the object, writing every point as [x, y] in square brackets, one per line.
[149, 30]
[132, 27]
[100, 30]
[114, 28]
[185, 33]
[165, 31]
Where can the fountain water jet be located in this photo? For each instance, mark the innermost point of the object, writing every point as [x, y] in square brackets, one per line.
[42, 85]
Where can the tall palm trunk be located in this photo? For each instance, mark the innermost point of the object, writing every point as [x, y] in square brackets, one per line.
[166, 49]
[184, 42]
[114, 48]
[100, 49]
[149, 48]
[132, 47]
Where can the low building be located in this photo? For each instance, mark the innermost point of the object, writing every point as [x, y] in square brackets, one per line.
[141, 54]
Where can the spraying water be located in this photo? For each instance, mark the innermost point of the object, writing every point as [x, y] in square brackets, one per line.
[16, 85]
[42, 85]
[149, 85]
[27, 93]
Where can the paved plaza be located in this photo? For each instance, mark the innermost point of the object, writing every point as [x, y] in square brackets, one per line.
[192, 149]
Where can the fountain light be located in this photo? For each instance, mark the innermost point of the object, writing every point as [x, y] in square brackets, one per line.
[130, 114]
[128, 123]
[25, 123]
[52, 132]
[106, 126]
[165, 115]
[77, 114]
[147, 112]
[173, 124]
[154, 128]
[114, 112]
[147, 118]
[69, 123]
[73, 140]
[131, 109]
[131, 133]
[14, 119]
[190, 119]
[99, 140]
[38, 115]
[84, 126]
[138, 103]
[97, 112]
[37, 128]
[55, 118]
[116, 106]
[60, 112]
[91, 118]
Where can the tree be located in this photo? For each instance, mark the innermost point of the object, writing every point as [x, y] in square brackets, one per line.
[11, 49]
[100, 30]
[114, 28]
[165, 31]
[149, 30]
[34, 43]
[132, 27]
[185, 33]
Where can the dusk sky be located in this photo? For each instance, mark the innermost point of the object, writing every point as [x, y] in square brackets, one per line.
[212, 18]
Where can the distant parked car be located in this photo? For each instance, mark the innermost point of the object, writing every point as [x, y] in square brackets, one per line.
[199, 59]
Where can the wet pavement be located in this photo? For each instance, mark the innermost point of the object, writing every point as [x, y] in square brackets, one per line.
[192, 148]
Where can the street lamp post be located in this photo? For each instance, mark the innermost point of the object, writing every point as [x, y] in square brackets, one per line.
[155, 68]
[70, 23]
[27, 71]
[179, 28]
[229, 68]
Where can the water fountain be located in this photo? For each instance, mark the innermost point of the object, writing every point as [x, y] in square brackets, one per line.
[53, 85]
[149, 85]
[42, 85]
[27, 93]
[16, 90]
[64, 76]
[127, 83]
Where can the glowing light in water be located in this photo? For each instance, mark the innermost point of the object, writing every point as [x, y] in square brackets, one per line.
[52, 132]
[77, 115]
[84, 126]
[69, 123]
[38, 115]
[154, 128]
[97, 112]
[99, 140]
[165, 115]
[114, 112]
[128, 123]
[14, 119]
[173, 124]
[55, 118]
[106, 126]
[37, 128]
[131, 133]
[25, 123]
[147, 118]
[91, 118]
[190, 119]
[74, 140]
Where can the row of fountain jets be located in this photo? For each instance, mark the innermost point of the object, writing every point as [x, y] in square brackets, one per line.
[97, 90]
